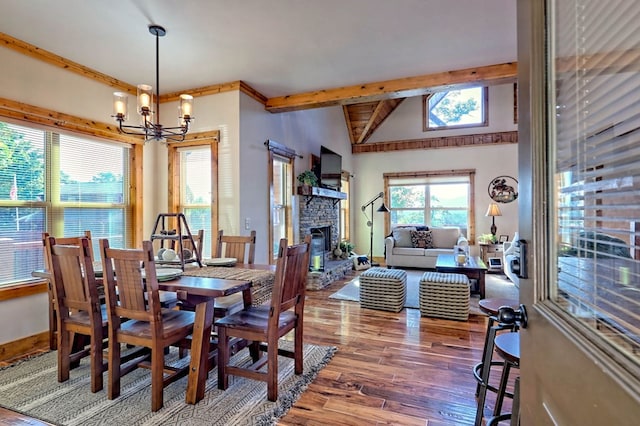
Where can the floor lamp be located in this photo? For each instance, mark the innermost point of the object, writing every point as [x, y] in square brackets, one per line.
[382, 209]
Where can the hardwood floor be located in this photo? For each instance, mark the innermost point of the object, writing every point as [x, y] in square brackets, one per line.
[390, 368]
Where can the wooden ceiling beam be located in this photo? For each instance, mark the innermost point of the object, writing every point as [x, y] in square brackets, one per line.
[58, 61]
[53, 119]
[363, 119]
[494, 138]
[349, 123]
[399, 88]
[370, 121]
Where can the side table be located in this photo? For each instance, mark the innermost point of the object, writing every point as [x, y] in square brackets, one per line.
[489, 251]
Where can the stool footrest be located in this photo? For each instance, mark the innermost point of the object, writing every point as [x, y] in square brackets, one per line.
[477, 371]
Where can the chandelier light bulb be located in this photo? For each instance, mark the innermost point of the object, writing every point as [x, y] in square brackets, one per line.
[120, 106]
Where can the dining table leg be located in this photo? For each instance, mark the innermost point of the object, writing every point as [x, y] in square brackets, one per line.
[198, 367]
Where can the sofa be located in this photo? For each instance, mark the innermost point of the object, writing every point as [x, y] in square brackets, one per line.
[419, 246]
[511, 259]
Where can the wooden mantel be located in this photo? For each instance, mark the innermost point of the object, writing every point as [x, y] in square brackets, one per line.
[314, 191]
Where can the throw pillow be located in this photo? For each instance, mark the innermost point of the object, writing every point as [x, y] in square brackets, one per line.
[402, 236]
[361, 263]
[421, 239]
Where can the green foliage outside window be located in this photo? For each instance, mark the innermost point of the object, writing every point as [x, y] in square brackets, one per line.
[18, 154]
[456, 108]
[430, 204]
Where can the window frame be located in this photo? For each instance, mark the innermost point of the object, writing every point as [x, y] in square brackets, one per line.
[175, 184]
[425, 111]
[54, 208]
[388, 179]
[345, 207]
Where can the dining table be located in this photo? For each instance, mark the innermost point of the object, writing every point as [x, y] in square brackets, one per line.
[201, 292]
[199, 287]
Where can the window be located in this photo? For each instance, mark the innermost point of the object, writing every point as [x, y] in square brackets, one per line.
[432, 199]
[281, 189]
[344, 207]
[595, 146]
[195, 191]
[455, 109]
[60, 184]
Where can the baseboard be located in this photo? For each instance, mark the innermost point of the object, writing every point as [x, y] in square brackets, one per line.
[26, 345]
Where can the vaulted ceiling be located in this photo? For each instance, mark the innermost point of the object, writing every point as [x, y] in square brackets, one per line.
[366, 55]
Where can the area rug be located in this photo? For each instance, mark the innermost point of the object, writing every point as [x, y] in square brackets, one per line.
[31, 387]
[496, 285]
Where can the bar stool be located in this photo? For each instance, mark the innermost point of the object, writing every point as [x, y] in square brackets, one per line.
[508, 347]
[491, 307]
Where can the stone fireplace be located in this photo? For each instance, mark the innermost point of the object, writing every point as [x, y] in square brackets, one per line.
[320, 214]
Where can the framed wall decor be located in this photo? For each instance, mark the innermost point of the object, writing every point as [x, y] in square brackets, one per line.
[503, 189]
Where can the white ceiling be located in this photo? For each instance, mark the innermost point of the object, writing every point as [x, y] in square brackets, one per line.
[279, 47]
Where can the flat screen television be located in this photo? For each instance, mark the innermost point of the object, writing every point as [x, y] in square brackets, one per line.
[330, 169]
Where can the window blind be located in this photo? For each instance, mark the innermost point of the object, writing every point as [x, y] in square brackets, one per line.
[195, 191]
[596, 178]
[60, 184]
[22, 201]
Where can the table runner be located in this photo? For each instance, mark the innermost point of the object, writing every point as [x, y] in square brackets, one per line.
[262, 280]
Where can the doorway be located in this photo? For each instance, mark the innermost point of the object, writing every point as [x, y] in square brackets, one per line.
[579, 149]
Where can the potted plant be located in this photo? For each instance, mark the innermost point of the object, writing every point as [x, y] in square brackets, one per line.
[487, 239]
[308, 178]
[347, 248]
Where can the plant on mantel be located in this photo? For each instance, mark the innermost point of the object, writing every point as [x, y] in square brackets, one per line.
[308, 178]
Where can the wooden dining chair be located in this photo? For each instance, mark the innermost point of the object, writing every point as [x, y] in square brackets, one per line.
[47, 266]
[136, 297]
[77, 306]
[243, 248]
[198, 240]
[264, 325]
[240, 247]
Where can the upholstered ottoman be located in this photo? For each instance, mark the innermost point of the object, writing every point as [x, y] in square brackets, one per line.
[444, 296]
[383, 289]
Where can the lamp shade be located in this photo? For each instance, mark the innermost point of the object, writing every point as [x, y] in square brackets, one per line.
[383, 209]
[493, 210]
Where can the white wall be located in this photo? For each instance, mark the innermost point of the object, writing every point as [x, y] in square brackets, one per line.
[23, 317]
[36, 83]
[215, 112]
[303, 131]
[488, 161]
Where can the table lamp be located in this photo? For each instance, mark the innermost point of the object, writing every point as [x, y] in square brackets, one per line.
[493, 211]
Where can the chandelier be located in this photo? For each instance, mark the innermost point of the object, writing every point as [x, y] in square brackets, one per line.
[150, 127]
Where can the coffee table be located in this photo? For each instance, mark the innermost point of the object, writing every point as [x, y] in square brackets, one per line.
[474, 268]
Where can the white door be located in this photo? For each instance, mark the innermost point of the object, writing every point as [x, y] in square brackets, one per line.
[579, 207]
